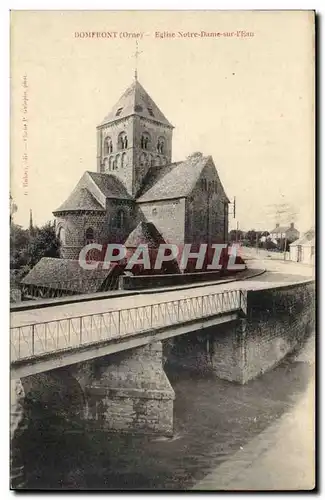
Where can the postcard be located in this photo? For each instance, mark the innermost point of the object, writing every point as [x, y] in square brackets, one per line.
[162, 250]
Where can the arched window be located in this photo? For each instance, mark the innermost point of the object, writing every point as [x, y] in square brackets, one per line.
[204, 184]
[120, 219]
[89, 235]
[108, 146]
[161, 145]
[122, 141]
[143, 159]
[116, 164]
[145, 140]
[62, 235]
[151, 161]
[110, 163]
[123, 160]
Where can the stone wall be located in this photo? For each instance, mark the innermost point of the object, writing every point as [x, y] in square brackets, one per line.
[161, 280]
[205, 220]
[103, 224]
[136, 161]
[278, 320]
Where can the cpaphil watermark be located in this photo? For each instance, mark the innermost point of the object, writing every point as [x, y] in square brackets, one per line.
[24, 110]
[211, 258]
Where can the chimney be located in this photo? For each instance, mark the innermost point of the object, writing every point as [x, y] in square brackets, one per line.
[277, 225]
[292, 225]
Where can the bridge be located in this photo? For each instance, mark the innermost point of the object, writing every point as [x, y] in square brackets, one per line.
[42, 346]
[110, 358]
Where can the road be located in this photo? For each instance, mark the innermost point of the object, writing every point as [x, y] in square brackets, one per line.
[61, 326]
[278, 273]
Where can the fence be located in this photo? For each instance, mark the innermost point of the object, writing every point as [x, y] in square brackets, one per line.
[41, 338]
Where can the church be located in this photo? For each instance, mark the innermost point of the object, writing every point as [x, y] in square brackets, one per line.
[137, 194]
[136, 182]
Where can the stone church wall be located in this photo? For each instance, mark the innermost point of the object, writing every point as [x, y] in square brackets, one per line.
[168, 217]
[136, 161]
[104, 226]
[201, 227]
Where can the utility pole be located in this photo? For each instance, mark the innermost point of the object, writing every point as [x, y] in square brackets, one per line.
[256, 242]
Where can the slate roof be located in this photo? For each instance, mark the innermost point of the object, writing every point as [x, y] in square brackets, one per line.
[80, 199]
[176, 180]
[283, 229]
[110, 186]
[66, 274]
[144, 233]
[307, 239]
[136, 101]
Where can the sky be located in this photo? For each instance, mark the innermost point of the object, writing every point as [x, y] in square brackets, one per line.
[245, 100]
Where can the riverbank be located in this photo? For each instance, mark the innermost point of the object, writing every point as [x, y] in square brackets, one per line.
[282, 457]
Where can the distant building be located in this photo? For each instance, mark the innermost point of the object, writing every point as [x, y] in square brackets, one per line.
[303, 249]
[290, 233]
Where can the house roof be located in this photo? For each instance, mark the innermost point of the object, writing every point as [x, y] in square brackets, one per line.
[66, 274]
[144, 233]
[176, 180]
[136, 101]
[307, 239]
[283, 229]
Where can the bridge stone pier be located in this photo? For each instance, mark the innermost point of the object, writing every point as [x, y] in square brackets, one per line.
[131, 392]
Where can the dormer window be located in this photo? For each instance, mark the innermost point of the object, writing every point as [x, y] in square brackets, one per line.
[118, 112]
[150, 112]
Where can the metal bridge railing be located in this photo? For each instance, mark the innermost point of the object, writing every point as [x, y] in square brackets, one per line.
[41, 338]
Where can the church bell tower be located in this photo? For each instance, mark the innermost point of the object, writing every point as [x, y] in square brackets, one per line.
[133, 137]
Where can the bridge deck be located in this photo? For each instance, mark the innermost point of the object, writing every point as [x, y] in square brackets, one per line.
[44, 314]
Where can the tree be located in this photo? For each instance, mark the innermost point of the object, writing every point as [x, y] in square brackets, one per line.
[251, 236]
[43, 243]
[235, 233]
[270, 245]
[28, 247]
[19, 240]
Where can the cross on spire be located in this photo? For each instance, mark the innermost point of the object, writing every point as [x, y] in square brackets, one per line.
[136, 56]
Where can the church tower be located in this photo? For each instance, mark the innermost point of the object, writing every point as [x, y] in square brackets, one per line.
[133, 137]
